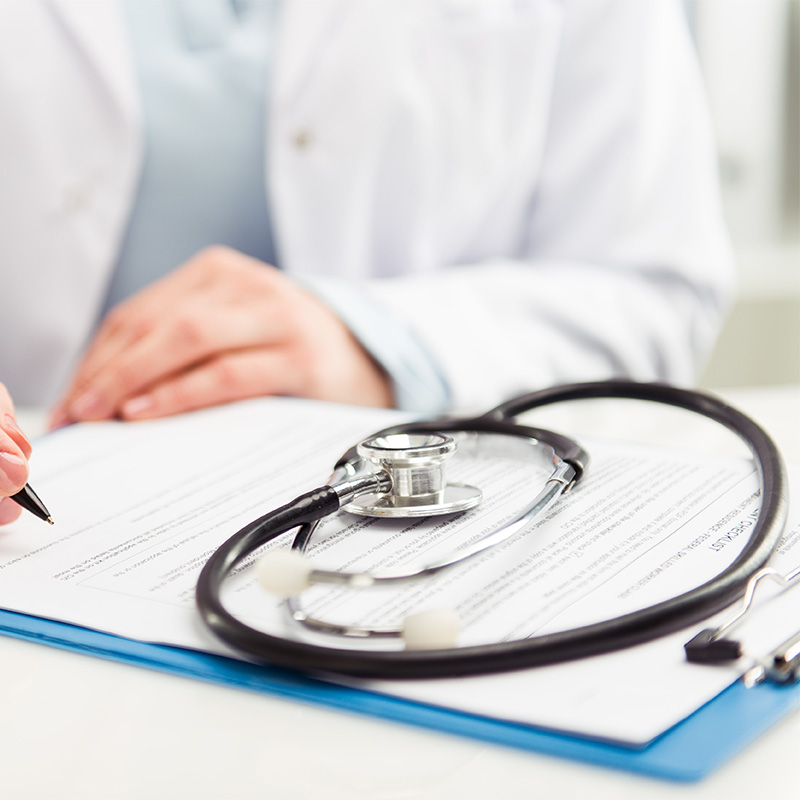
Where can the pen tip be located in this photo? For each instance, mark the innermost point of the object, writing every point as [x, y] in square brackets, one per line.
[50, 520]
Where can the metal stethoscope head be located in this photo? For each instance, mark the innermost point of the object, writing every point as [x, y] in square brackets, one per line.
[412, 468]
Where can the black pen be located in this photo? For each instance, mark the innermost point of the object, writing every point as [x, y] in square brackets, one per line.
[30, 501]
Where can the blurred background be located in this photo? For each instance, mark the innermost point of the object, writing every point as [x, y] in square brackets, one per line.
[750, 55]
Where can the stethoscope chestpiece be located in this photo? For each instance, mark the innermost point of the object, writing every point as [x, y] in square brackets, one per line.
[415, 464]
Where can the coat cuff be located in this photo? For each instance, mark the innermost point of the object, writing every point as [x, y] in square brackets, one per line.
[417, 379]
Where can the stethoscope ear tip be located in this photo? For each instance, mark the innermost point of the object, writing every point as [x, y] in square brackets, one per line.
[434, 629]
[285, 573]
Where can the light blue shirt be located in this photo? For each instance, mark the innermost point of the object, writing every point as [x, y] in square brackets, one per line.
[203, 68]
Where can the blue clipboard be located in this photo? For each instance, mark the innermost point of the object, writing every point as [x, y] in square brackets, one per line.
[687, 752]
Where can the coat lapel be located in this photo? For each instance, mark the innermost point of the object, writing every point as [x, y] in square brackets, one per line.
[99, 31]
[303, 27]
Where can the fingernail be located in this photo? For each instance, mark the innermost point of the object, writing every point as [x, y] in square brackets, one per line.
[13, 473]
[88, 405]
[140, 406]
[10, 424]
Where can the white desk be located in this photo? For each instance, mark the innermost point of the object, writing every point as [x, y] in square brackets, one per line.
[73, 726]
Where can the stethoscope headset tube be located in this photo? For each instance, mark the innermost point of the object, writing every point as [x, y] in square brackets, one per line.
[594, 639]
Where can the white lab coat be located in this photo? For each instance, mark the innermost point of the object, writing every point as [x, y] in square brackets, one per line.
[530, 184]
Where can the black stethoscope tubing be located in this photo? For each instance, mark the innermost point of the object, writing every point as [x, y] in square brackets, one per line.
[594, 639]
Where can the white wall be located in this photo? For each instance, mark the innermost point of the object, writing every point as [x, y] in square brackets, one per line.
[750, 55]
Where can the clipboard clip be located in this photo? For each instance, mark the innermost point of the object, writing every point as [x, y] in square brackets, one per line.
[781, 666]
[714, 646]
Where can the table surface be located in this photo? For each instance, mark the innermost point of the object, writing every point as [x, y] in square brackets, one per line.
[72, 726]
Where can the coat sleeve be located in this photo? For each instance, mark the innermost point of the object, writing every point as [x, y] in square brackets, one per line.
[625, 268]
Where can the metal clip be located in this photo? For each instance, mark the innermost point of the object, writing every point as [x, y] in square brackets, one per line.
[781, 666]
[713, 646]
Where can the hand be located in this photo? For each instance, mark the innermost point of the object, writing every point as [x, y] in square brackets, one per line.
[222, 327]
[15, 450]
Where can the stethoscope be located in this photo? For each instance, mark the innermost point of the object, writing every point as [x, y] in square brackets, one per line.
[400, 472]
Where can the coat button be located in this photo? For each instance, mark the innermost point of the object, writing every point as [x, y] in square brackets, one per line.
[302, 138]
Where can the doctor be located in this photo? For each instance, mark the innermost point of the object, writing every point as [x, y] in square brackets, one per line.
[408, 202]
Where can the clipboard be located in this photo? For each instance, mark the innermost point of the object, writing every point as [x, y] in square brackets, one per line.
[689, 751]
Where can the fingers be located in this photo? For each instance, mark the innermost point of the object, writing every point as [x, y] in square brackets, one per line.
[234, 376]
[331, 367]
[6, 405]
[138, 316]
[219, 300]
[127, 324]
[13, 470]
[277, 371]
[15, 449]
[224, 327]
[9, 510]
[190, 338]
[12, 430]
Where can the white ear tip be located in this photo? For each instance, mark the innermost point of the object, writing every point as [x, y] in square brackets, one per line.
[284, 572]
[436, 629]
